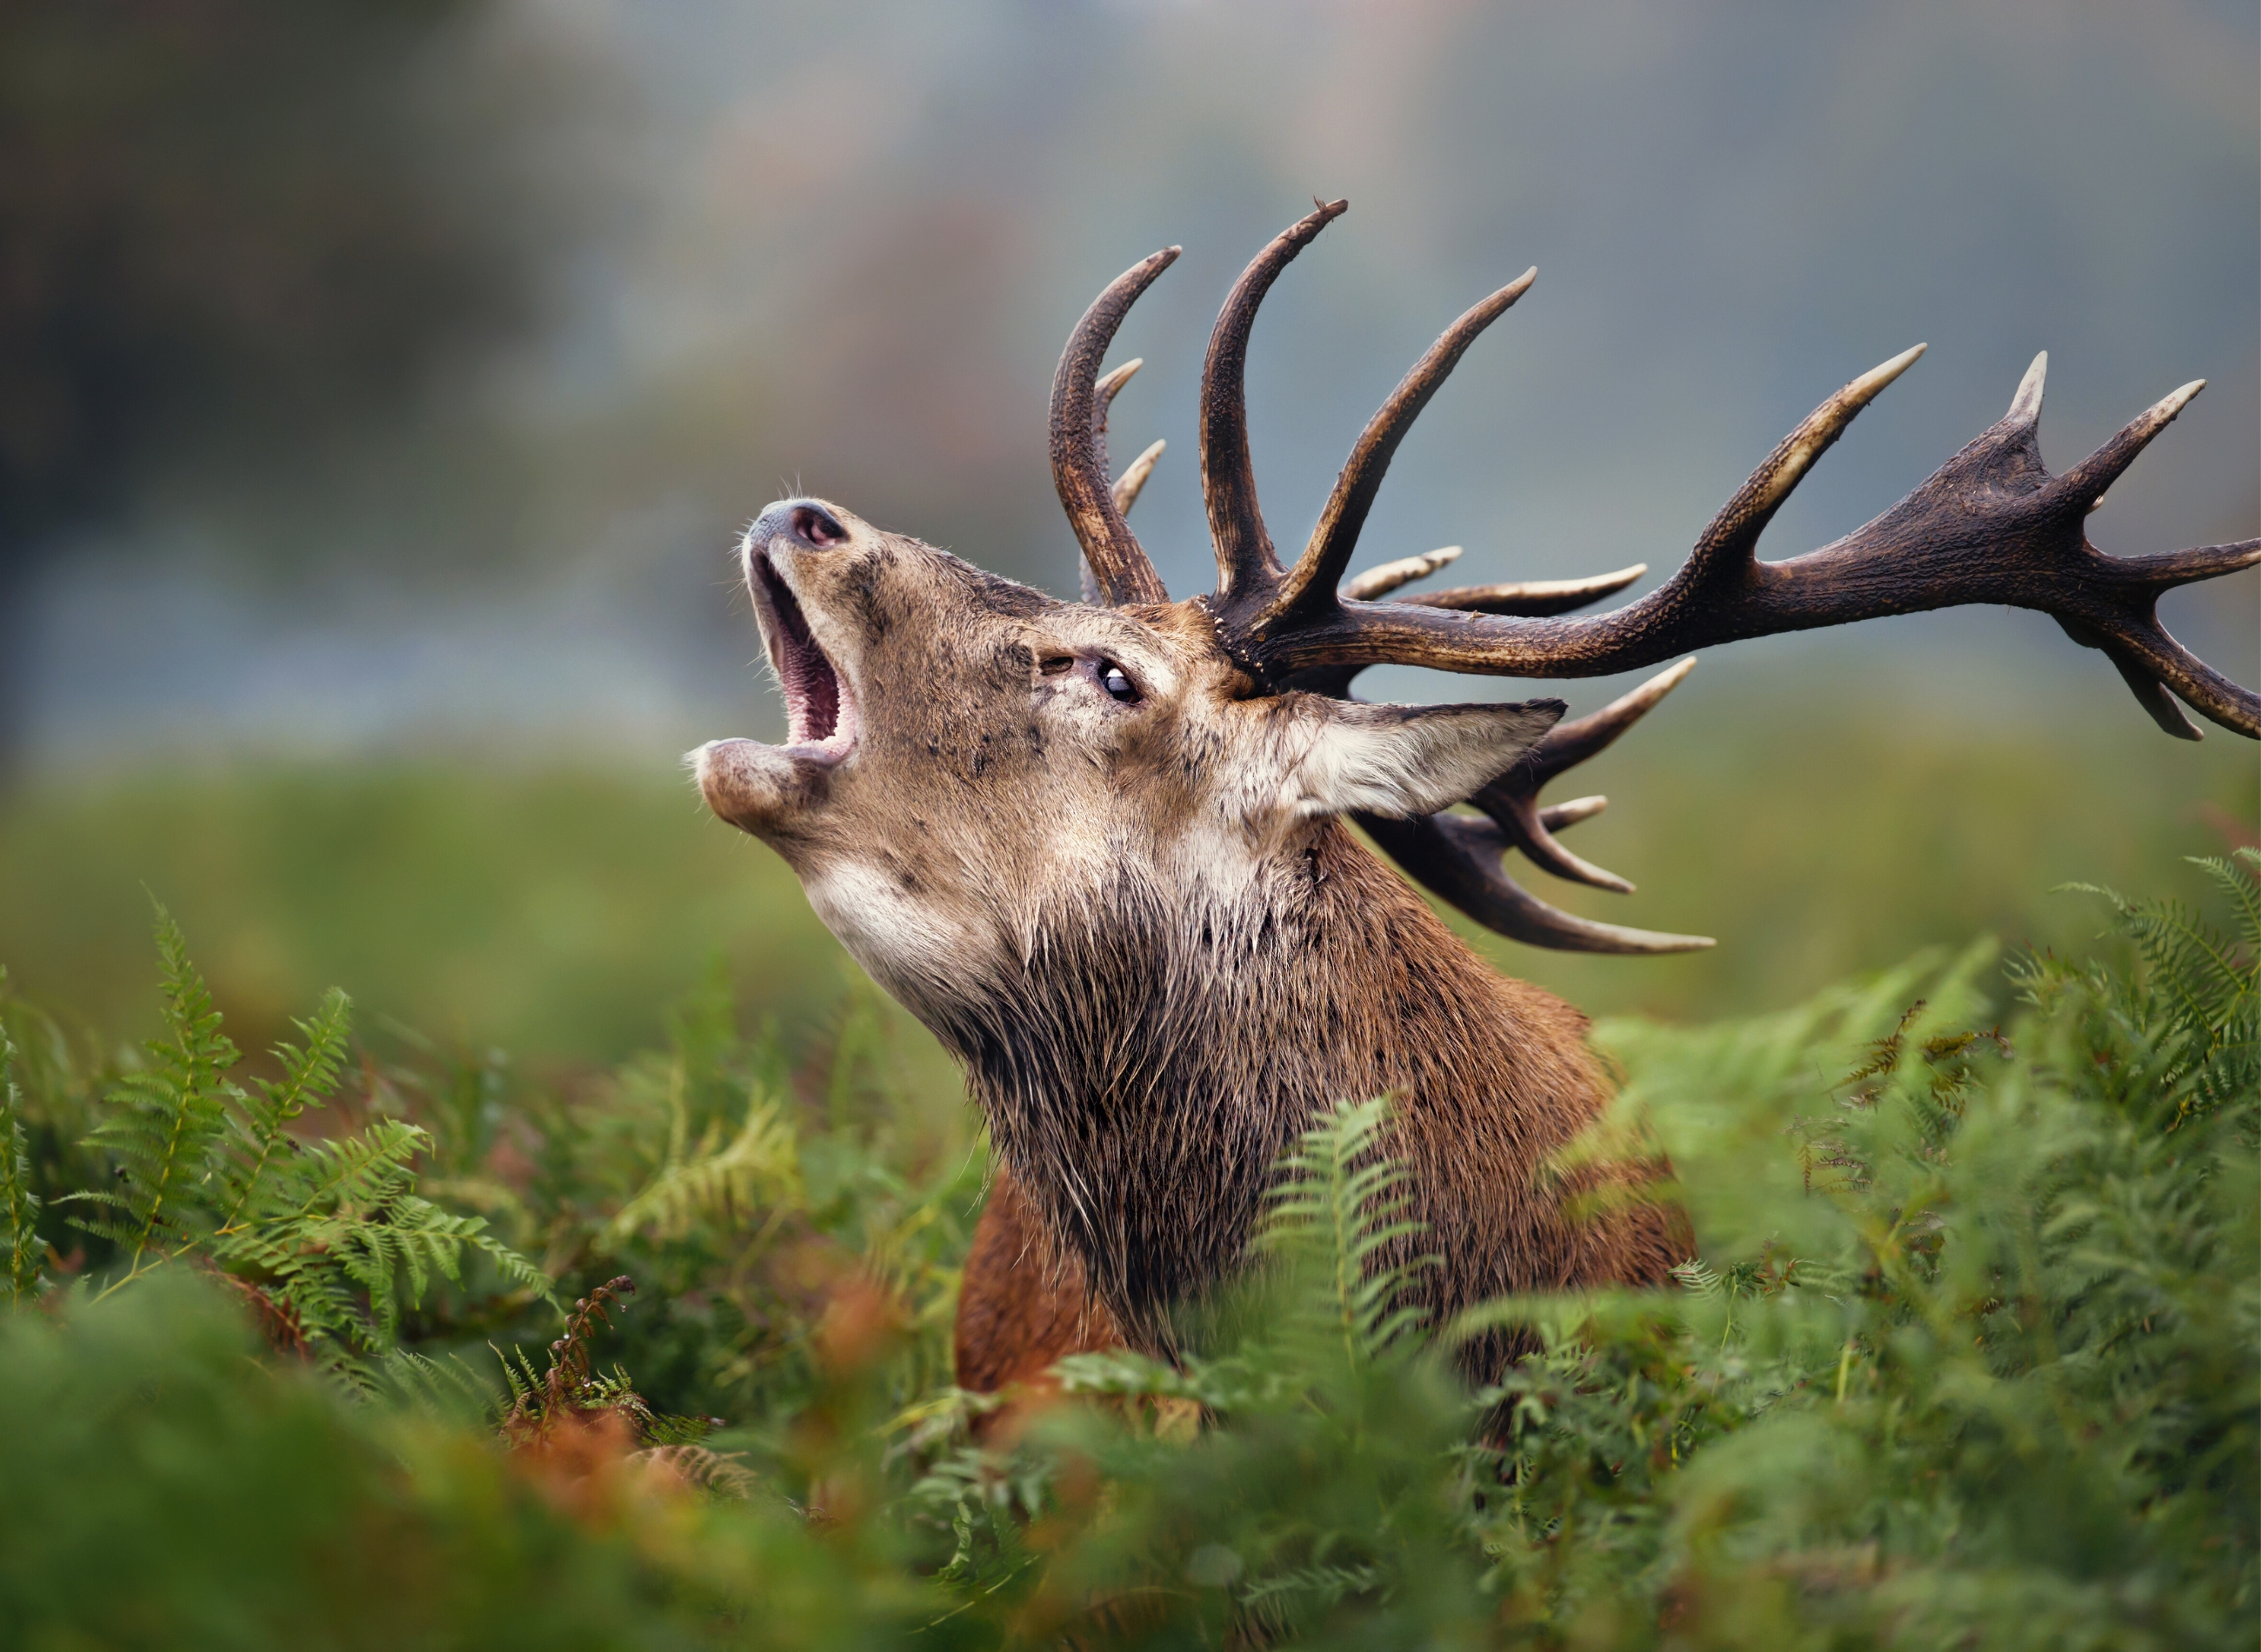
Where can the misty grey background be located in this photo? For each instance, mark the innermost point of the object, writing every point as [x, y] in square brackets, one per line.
[840, 246]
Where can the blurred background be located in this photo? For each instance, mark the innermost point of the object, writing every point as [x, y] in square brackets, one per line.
[383, 383]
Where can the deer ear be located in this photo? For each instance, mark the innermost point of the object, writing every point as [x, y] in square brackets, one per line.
[1404, 760]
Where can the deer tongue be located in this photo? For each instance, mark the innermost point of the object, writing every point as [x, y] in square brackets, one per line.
[818, 714]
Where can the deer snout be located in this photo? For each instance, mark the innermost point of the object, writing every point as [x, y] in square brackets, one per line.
[805, 524]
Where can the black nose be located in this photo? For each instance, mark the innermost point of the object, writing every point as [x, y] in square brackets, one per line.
[801, 522]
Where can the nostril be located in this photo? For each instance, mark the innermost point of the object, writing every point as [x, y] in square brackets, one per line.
[813, 526]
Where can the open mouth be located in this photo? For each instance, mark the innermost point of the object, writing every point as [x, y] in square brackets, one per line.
[820, 716]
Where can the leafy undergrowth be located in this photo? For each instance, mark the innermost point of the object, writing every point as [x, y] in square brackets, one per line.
[1973, 1355]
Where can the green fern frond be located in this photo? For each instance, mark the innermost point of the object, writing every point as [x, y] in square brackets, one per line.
[1337, 1213]
[443, 1390]
[723, 1181]
[167, 1120]
[352, 1173]
[20, 1206]
[2208, 984]
[516, 1269]
[309, 1076]
[2242, 889]
[1695, 1278]
[1308, 1587]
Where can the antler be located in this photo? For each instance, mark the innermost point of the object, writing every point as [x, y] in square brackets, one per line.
[1992, 525]
[1119, 567]
[1519, 596]
[1245, 560]
[1459, 859]
[1513, 800]
[1311, 584]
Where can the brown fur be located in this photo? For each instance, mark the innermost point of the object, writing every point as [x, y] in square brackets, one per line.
[1154, 948]
[1021, 1306]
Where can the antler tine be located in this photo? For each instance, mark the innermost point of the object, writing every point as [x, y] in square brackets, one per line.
[2140, 646]
[1317, 572]
[2102, 468]
[1121, 570]
[2150, 693]
[1128, 486]
[1568, 744]
[2149, 660]
[1537, 598]
[1459, 859]
[1102, 403]
[1558, 816]
[1382, 580]
[1730, 543]
[1246, 564]
[1513, 800]
[2026, 406]
[1125, 489]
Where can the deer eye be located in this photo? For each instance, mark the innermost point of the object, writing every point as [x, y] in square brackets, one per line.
[1117, 682]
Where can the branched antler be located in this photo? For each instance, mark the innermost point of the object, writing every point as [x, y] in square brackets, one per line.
[1459, 860]
[1990, 525]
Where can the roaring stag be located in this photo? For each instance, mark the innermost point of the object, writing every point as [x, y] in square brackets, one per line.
[1099, 847]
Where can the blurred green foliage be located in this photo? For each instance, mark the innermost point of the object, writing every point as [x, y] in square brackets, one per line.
[1973, 1355]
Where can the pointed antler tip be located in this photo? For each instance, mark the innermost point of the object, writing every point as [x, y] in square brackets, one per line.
[1116, 379]
[1745, 516]
[2176, 401]
[1128, 486]
[2026, 406]
[1883, 374]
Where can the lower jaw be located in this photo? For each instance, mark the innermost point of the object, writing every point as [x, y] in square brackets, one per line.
[756, 787]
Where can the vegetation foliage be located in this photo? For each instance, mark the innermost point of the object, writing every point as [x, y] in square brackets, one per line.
[1971, 1355]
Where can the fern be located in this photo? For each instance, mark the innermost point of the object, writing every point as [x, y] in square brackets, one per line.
[165, 1123]
[20, 1206]
[2205, 986]
[340, 1225]
[441, 1390]
[327, 1241]
[1337, 1214]
[725, 1182]
[309, 1074]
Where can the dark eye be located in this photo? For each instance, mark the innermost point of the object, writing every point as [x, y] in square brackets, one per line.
[1117, 681]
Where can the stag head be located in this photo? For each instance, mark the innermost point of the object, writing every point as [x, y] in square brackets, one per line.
[966, 754]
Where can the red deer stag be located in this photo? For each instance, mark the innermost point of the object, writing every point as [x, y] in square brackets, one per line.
[1099, 847]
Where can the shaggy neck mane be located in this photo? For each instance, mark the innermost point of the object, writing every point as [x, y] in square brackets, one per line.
[1144, 1071]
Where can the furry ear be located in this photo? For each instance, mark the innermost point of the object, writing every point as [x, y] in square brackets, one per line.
[1399, 761]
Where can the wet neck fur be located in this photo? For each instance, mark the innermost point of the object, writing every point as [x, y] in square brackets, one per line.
[1142, 1073]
